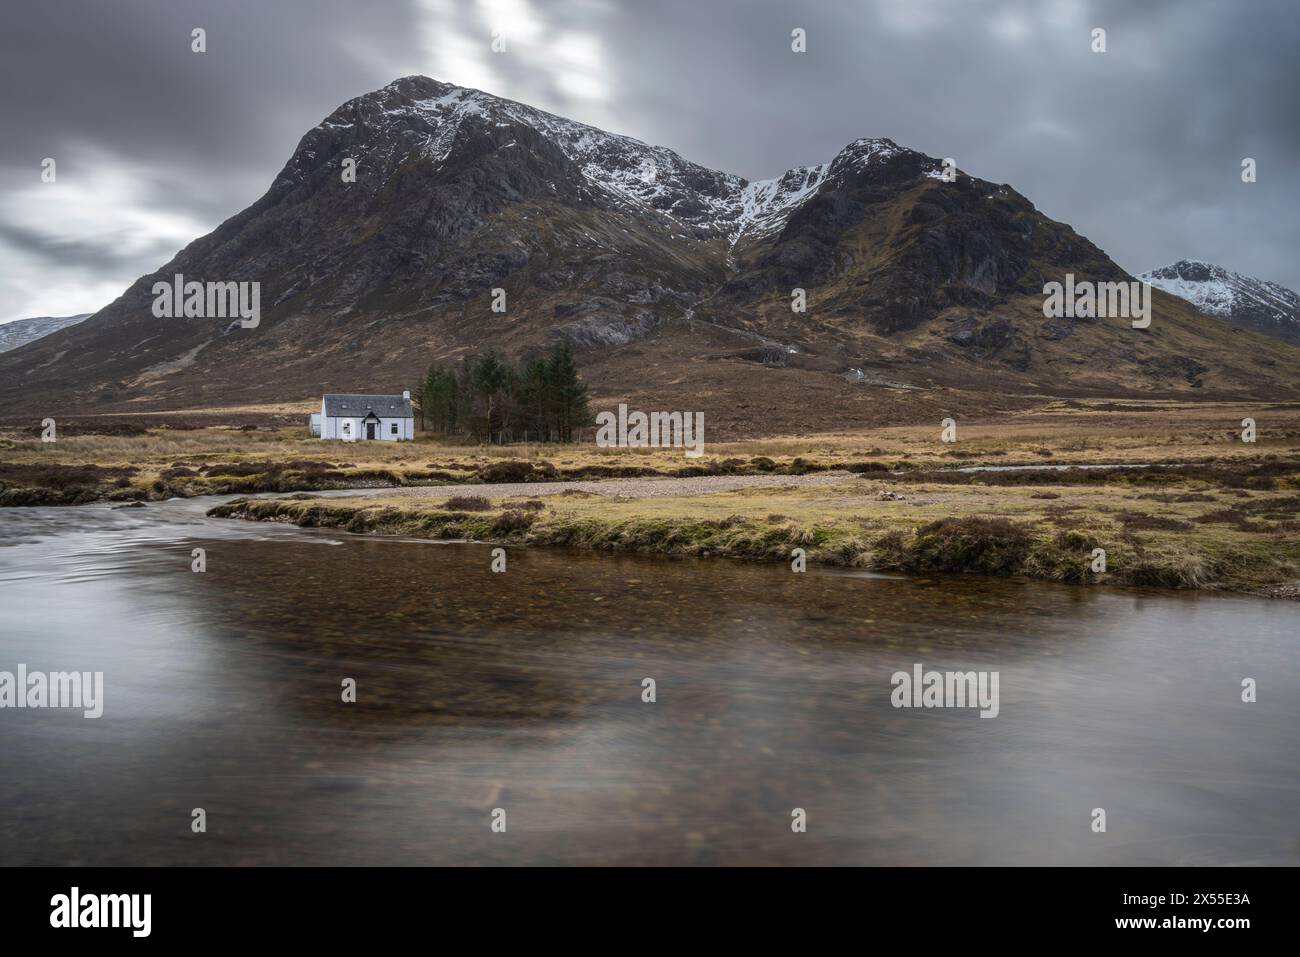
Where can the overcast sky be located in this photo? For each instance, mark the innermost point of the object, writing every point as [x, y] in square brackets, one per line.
[1139, 148]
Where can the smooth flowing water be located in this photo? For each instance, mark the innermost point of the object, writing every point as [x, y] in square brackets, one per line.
[523, 691]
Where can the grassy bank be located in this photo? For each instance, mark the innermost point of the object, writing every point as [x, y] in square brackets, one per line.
[1181, 532]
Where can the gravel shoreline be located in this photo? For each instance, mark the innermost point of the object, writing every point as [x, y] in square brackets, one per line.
[626, 487]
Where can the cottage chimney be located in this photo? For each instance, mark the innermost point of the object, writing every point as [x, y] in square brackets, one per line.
[406, 393]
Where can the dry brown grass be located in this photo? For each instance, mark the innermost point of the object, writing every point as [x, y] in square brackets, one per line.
[172, 462]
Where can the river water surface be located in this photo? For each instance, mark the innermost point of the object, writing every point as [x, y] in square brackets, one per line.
[523, 691]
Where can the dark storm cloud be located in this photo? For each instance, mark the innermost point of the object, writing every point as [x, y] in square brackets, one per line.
[1138, 148]
[92, 252]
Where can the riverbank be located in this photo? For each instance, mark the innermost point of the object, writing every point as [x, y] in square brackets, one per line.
[1168, 491]
[1226, 527]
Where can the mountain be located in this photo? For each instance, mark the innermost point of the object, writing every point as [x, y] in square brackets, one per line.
[19, 332]
[1244, 301]
[674, 282]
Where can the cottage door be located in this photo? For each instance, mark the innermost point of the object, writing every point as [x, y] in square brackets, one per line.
[370, 430]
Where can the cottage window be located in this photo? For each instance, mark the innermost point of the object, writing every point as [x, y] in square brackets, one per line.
[394, 427]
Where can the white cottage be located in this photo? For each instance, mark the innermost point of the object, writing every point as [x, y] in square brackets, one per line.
[386, 418]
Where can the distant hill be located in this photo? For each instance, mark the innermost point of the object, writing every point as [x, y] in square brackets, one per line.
[22, 331]
[673, 282]
[1243, 300]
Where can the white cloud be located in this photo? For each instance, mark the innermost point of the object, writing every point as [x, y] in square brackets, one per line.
[457, 43]
[105, 213]
[1009, 27]
[914, 16]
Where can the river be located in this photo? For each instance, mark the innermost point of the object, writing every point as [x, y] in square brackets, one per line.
[522, 691]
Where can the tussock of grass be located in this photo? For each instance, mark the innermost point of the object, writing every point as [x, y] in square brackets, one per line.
[1135, 521]
[512, 472]
[468, 503]
[983, 545]
[1174, 571]
[998, 547]
[54, 484]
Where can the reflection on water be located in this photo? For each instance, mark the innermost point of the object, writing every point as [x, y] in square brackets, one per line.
[523, 691]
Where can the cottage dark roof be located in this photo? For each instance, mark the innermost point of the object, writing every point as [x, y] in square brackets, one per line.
[384, 406]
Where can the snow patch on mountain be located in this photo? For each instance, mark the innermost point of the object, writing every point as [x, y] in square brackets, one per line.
[19, 332]
[765, 203]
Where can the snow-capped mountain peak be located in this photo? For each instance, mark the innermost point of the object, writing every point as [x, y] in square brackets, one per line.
[425, 115]
[1243, 300]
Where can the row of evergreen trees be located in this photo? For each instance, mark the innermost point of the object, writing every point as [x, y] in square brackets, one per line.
[488, 399]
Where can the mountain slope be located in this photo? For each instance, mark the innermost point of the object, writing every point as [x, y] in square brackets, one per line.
[676, 281]
[19, 332]
[1244, 301]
